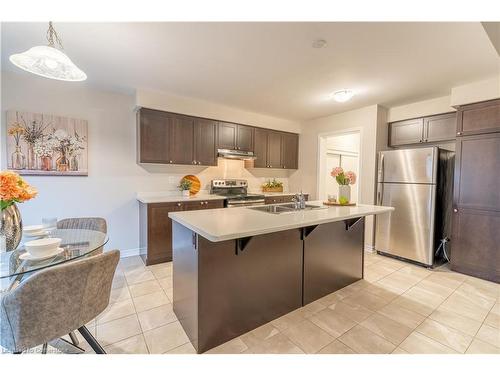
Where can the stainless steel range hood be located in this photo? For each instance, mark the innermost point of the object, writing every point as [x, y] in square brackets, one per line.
[235, 154]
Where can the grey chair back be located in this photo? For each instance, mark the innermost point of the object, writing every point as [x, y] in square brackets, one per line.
[56, 301]
[91, 223]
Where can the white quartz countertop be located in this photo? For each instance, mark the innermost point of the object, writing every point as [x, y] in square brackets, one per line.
[173, 196]
[165, 197]
[230, 223]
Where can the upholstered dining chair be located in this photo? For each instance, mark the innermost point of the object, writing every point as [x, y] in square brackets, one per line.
[91, 223]
[55, 301]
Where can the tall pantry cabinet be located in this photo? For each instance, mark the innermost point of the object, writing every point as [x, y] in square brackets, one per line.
[476, 201]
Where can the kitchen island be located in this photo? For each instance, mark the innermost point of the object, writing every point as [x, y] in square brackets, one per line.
[236, 269]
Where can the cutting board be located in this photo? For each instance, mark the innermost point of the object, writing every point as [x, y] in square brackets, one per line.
[338, 204]
[195, 183]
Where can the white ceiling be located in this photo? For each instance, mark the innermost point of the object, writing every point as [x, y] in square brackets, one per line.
[271, 68]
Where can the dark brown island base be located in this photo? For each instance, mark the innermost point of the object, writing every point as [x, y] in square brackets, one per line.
[223, 289]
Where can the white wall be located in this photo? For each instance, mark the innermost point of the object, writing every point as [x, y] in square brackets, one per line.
[363, 119]
[476, 91]
[114, 177]
[419, 109]
[196, 107]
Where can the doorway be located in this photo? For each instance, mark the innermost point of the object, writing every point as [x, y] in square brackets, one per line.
[340, 149]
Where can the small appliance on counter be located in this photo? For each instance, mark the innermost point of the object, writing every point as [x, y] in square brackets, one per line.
[236, 193]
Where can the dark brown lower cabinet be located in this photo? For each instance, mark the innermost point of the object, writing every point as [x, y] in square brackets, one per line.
[333, 257]
[476, 243]
[221, 292]
[155, 227]
[225, 289]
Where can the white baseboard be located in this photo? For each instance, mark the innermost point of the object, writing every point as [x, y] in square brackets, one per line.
[370, 248]
[130, 252]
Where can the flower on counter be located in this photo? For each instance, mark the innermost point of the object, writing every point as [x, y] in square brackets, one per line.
[13, 189]
[343, 178]
[351, 176]
[337, 171]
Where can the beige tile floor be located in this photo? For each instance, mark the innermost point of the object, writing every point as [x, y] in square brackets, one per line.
[398, 308]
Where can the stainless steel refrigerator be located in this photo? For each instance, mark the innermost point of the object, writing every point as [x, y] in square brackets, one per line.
[418, 184]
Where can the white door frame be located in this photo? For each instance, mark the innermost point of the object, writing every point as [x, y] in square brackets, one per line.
[322, 151]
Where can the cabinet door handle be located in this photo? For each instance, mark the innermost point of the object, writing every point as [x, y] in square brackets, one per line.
[455, 210]
[179, 204]
[202, 203]
[170, 161]
[199, 162]
[459, 133]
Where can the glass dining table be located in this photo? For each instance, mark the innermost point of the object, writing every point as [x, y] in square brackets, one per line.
[15, 266]
[76, 244]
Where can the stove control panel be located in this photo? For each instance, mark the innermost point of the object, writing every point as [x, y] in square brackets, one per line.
[229, 183]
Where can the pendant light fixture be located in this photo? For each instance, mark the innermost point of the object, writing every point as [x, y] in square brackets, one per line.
[49, 61]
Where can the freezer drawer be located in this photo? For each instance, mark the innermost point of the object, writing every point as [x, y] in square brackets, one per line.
[408, 166]
[408, 231]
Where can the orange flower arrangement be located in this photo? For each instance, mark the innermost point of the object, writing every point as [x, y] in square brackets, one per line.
[13, 189]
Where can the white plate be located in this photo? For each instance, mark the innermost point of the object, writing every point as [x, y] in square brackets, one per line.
[40, 233]
[28, 256]
[32, 229]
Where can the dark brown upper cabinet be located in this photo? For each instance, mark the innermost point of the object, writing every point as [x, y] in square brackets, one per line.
[479, 118]
[260, 148]
[153, 129]
[290, 151]
[476, 172]
[181, 145]
[274, 149]
[244, 138]
[205, 132]
[406, 132]
[170, 138]
[235, 137]
[439, 128]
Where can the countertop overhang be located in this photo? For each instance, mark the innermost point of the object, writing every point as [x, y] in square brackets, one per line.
[231, 223]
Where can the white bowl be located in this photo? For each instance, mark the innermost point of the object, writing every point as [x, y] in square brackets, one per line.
[30, 229]
[41, 247]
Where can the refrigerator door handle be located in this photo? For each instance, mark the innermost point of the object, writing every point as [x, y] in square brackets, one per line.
[381, 168]
[380, 194]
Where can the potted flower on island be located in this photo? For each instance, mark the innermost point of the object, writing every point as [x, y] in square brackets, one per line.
[185, 187]
[13, 189]
[344, 179]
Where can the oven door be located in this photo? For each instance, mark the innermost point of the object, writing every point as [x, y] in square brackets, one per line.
[243, 203]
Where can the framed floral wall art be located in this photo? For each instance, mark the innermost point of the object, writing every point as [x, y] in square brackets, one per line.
[40, 144]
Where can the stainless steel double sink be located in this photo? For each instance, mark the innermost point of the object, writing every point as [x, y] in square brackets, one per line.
[284, 208]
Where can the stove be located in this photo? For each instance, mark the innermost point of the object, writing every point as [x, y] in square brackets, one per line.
[235, 192]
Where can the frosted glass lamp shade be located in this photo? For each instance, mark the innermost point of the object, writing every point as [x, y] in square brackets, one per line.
[48, 62]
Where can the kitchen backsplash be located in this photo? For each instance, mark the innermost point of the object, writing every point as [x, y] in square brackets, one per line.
[226, 168]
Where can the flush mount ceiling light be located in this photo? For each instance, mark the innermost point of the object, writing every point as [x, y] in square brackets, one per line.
[342, 96]
[48, 61]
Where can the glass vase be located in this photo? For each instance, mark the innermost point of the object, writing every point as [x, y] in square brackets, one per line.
[11, 226]
[46, 163]
[62, 163]
[32, 159]
[345, 192]
[18, 159]
[74, 163]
